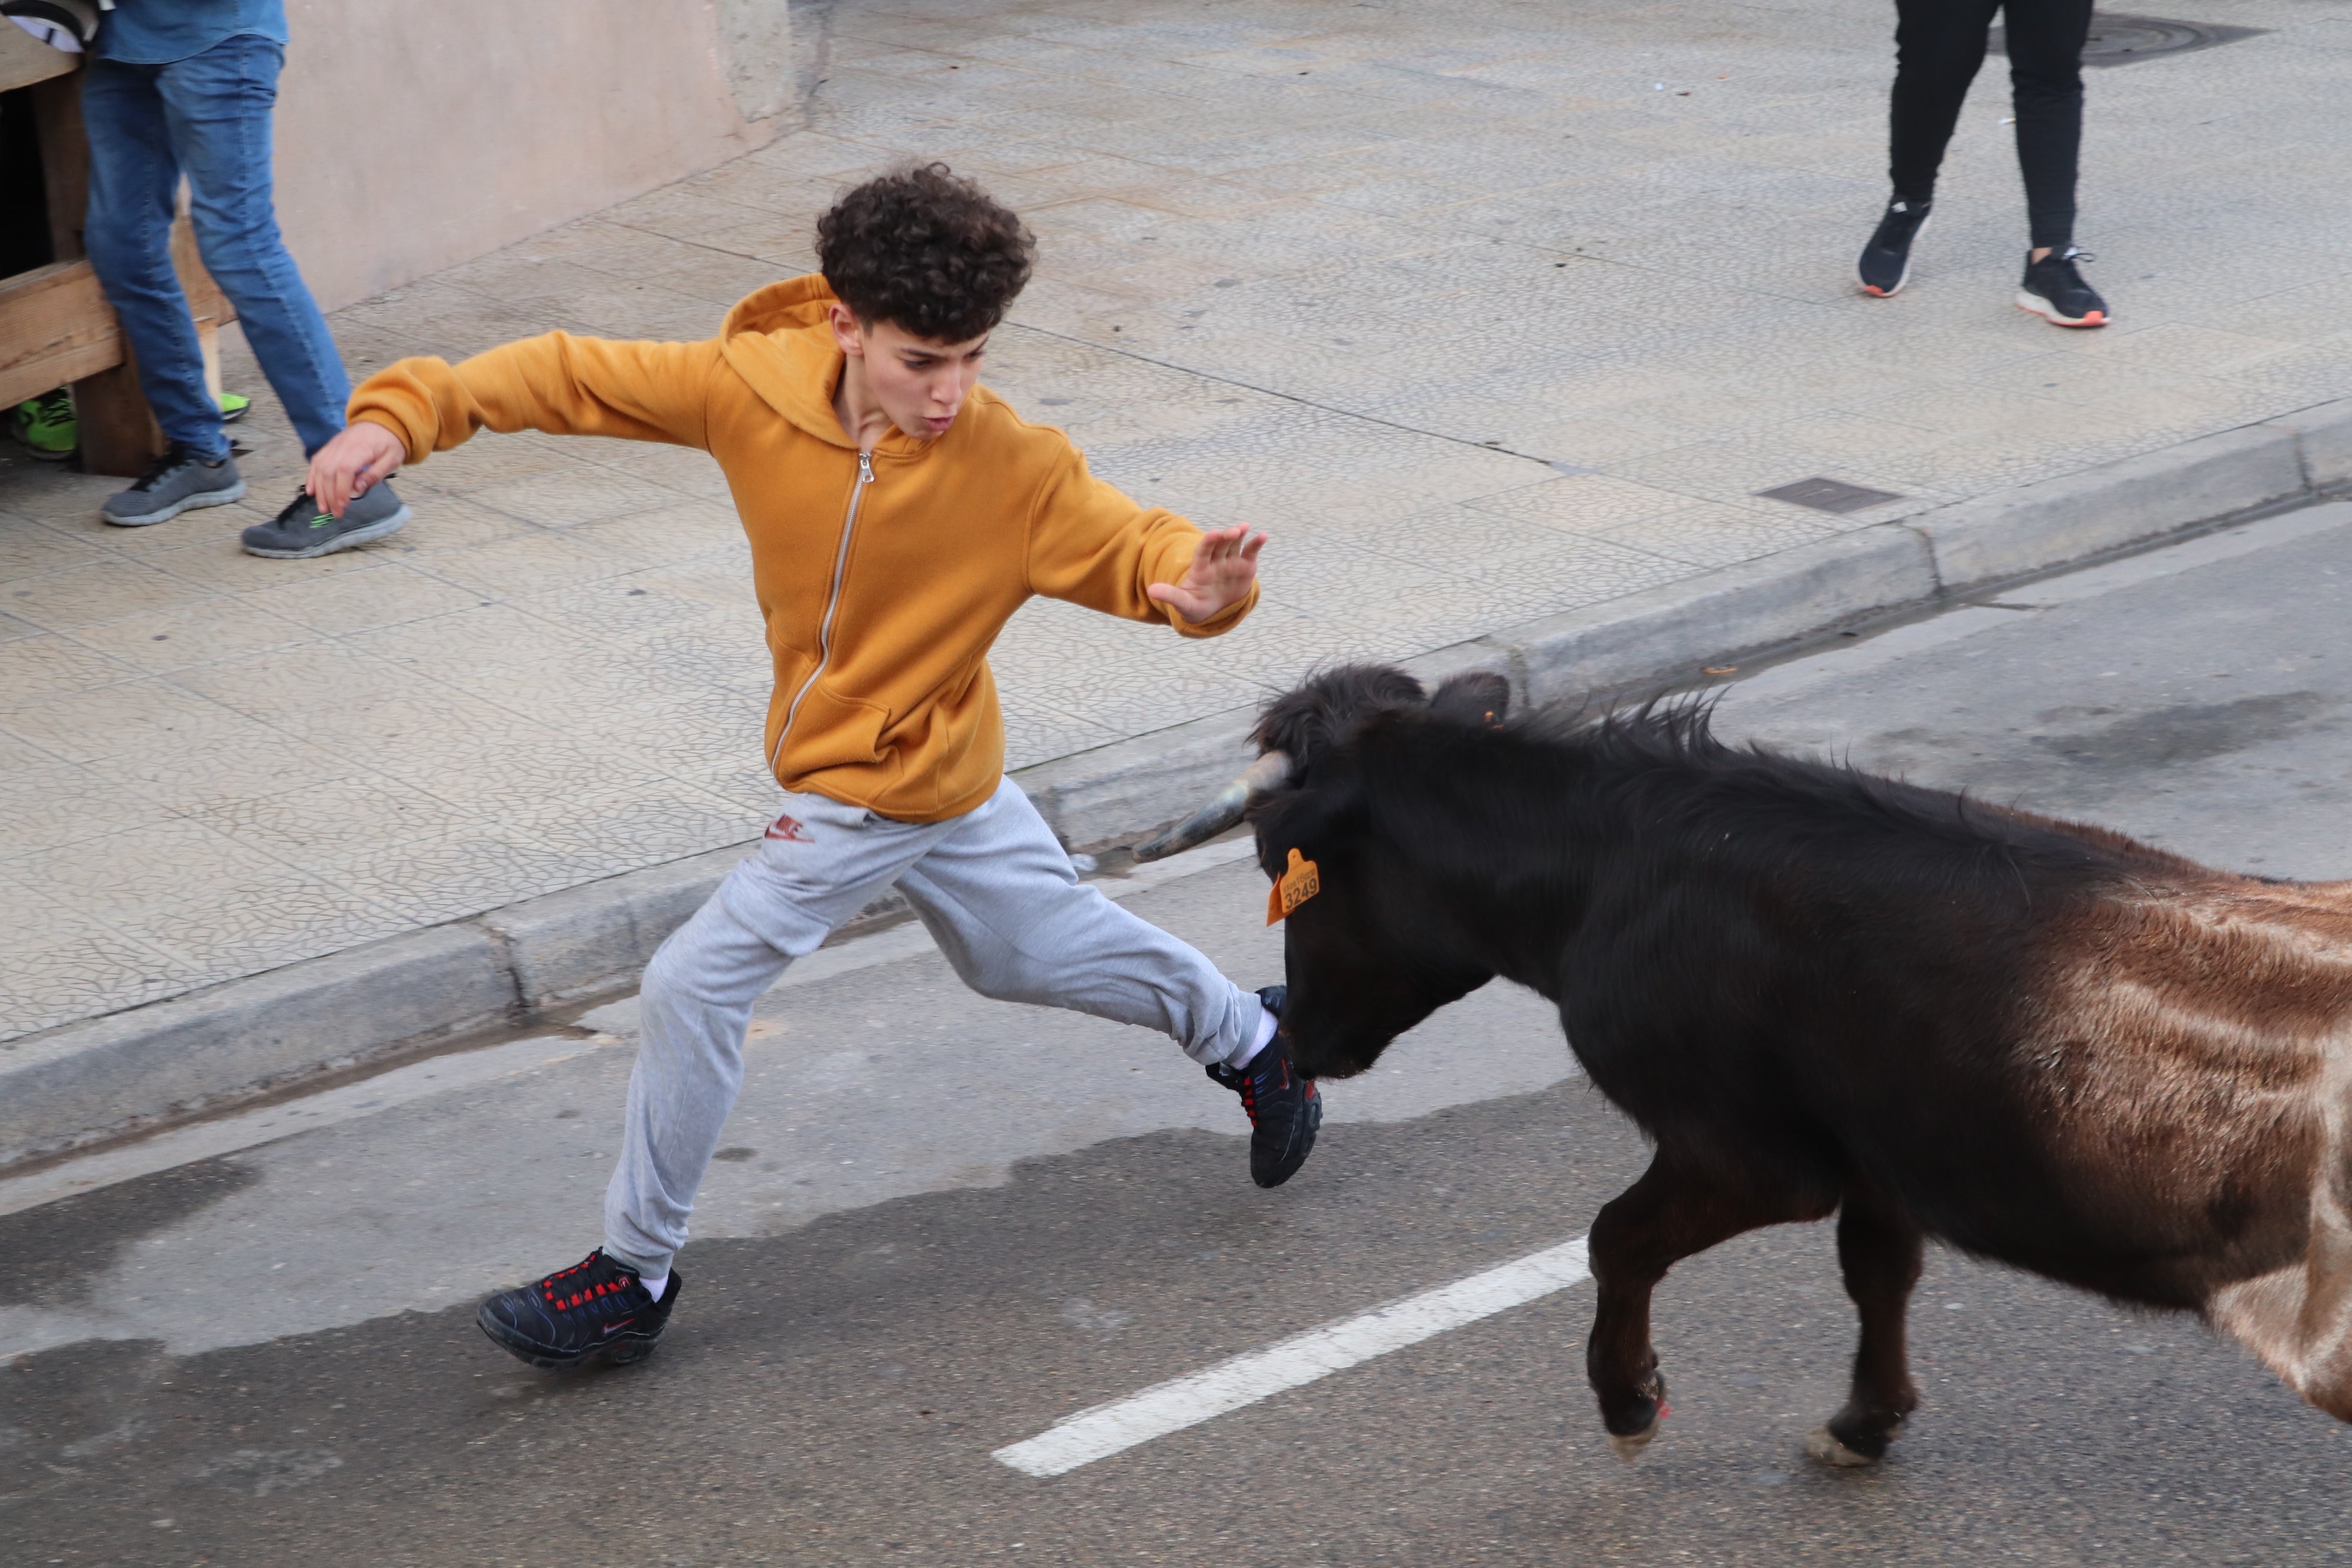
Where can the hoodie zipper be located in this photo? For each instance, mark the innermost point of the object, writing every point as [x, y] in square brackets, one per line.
[832, 603]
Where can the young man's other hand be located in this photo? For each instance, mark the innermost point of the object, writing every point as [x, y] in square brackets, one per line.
[346, 465]
[1222, 569]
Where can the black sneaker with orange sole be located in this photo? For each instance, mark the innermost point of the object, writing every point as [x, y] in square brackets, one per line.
[1885, 263]
[2054, 290]
[1285, 1108]
[596, 1307]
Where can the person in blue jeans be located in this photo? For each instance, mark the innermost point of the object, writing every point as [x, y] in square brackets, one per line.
[185, 87]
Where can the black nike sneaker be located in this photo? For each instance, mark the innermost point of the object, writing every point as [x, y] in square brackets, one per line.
[2055, 292]
[1283, 1108]
[596, 1307]
[1885, 263]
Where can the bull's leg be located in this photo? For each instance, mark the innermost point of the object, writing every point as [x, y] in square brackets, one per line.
[1670, 1214]
[1879, 1249]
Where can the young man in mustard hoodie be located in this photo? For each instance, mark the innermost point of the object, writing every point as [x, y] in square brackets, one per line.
[898, 514]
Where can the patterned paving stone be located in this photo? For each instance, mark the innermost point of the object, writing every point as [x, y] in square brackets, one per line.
[1486, 310]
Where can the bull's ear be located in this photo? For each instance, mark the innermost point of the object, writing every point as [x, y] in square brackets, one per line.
[1477, 697]
[1321, 822]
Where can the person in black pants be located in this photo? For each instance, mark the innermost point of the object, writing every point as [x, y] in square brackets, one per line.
[1939, 45]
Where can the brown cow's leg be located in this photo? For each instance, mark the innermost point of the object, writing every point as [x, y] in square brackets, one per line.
[2298, 1318]
[1668, 1214]
[1880, 1251]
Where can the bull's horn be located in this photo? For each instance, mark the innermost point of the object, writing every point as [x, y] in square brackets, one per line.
[1269, 771]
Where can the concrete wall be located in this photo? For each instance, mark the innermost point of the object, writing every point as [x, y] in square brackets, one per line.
[415, 134]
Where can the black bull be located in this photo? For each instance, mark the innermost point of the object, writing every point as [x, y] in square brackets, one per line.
[1819, 991]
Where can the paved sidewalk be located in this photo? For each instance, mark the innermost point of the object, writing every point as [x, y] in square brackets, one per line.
[1486, 312]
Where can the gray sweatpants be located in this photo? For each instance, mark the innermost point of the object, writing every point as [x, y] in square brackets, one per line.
[998, 894]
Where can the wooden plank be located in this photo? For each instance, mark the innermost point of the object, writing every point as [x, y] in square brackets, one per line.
[117, 429]
[23, 61]
[65, 161]
[57, 328]
[118, 435]
[54, 327]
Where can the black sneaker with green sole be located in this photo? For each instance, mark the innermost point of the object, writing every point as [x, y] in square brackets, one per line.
[306, 529]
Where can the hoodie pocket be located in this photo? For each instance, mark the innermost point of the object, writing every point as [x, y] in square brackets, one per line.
[834, 731]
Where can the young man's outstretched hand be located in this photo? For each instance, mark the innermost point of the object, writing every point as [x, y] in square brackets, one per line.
[346, 465]
[1222, 569]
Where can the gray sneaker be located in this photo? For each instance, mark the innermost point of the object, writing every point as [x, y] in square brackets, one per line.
[179, 480]
[305, 528]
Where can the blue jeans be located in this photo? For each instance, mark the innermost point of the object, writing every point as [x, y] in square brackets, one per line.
[207, 116]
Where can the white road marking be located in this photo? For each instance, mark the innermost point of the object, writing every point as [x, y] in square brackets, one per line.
[1188, 1401]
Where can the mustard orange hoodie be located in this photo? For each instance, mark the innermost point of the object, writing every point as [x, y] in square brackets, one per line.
[883, 579]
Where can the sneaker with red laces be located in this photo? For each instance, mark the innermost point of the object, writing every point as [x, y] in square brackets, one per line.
[1285, 1108]
[596, 1307]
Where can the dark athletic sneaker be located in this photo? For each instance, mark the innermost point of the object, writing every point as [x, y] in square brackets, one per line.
[306, 529]
[1283, 1108]
[2054, 290]
[1885, 263]
[596, 1307]
[179, 480]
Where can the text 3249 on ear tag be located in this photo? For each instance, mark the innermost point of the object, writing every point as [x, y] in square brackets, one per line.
[1298, 885]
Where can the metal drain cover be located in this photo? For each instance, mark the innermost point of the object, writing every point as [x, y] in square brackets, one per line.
[2117, 39]
[1828, 495]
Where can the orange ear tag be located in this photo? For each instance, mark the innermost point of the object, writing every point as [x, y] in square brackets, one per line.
[1298, 885]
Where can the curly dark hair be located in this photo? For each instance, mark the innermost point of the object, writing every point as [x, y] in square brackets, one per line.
[926, 251]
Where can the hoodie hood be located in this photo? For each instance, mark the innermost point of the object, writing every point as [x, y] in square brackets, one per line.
[779, 339]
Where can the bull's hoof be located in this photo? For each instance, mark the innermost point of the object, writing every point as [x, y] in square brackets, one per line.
[1629, 1445]
[1630, 1448]
[1823, 1448]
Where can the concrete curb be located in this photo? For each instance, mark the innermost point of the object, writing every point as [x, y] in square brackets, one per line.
[2110, 508]
[69, 1085]
[106, 1076]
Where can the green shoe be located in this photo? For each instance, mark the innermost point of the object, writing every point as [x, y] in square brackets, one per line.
[233, 407]
[47, 427]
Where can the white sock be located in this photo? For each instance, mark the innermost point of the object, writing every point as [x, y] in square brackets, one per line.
[655, 1284]
[1264, 1032]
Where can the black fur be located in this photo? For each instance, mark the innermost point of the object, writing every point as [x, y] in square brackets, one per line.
[1800, 979]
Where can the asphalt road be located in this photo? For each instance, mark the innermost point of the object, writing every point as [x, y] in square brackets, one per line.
[941, 1225]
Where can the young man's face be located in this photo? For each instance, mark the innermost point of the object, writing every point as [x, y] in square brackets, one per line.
[920, 382]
